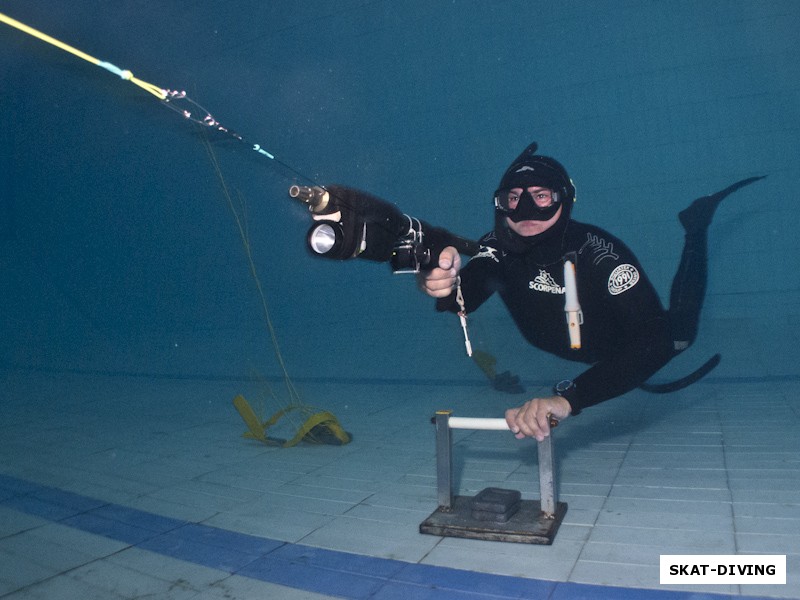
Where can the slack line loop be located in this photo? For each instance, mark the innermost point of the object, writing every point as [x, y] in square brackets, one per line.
[197, 114]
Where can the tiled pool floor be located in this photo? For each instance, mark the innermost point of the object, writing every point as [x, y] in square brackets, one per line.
[124, 487]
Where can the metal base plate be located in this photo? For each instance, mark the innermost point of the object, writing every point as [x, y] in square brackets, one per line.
[528, 526]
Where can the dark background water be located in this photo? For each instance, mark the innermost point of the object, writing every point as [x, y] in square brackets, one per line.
[119, 253]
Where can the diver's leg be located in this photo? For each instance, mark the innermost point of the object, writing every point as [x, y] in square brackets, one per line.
[689, 286]
[689, 290]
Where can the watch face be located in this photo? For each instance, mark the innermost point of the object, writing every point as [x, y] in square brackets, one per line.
[563, 386]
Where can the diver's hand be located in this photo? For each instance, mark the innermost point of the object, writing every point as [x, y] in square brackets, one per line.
[441, 281]
[532, 419]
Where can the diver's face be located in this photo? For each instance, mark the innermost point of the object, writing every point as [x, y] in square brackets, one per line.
[529, 228]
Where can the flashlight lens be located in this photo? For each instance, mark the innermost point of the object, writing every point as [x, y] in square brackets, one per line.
[322, 238]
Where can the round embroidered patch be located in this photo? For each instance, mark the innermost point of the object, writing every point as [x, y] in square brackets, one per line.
[623, 278]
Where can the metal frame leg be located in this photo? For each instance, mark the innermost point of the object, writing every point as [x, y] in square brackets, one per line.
[444, 459]
[547, 481]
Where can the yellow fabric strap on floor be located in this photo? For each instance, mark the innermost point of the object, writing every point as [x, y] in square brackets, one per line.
[322, 419]
[257, 430]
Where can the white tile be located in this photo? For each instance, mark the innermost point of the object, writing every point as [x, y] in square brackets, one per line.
[13, 522]
[262, 520]
[705, 542]
[19, 571]
[66, 538]
[646, 506]
[633, 575]
[64, 588]
[552, 563]
[45, 553]
[120, 580]
[380, 539]
[399, 516]
[181, 573]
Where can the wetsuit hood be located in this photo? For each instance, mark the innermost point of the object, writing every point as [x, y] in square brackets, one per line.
[531, 169]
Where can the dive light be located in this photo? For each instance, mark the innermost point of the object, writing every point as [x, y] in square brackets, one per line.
[349, 223]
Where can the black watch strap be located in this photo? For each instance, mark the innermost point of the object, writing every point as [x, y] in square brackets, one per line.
[566, 389]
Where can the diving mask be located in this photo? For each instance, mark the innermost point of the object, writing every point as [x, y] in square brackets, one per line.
[531, 204]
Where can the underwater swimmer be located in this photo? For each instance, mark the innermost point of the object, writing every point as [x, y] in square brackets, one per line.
[625, 333]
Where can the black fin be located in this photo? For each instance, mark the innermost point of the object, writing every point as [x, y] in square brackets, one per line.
[679, 384]
[698, 215]
[507, 382]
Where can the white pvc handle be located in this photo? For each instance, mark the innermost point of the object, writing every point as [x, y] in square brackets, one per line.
[476, 423]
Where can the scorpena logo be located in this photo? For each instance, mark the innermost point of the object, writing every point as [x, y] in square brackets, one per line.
[623, 278]
[544, 282]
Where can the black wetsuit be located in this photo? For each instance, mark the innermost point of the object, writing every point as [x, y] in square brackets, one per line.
[625, 334]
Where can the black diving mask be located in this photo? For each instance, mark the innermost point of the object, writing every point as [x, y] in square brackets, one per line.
[542, 205]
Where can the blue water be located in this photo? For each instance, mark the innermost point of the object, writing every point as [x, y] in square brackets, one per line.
[120, 255]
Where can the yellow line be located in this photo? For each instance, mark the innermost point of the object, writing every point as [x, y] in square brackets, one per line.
[46, 38]
[127, 75]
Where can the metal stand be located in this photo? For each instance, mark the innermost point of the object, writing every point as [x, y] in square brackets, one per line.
[536, 521]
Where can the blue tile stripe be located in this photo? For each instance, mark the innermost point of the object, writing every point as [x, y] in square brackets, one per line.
[327, 572]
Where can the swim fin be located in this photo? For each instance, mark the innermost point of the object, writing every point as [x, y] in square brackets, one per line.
[697, 216]
[679, 384]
